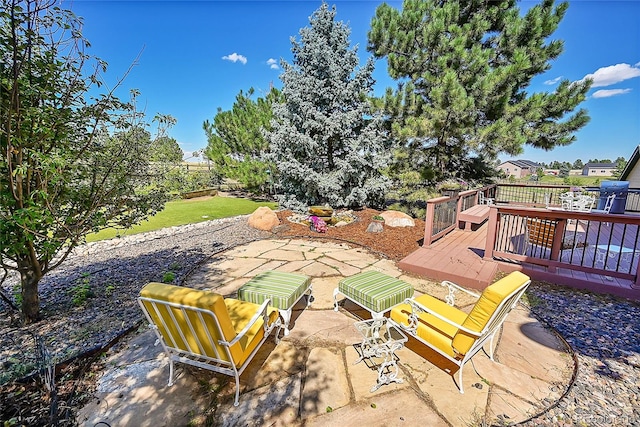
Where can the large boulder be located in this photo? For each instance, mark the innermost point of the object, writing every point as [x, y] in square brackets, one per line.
[397, 219]
[263, 218]
[375, 227]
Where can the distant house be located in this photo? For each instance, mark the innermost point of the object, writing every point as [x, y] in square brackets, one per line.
[599, 169]
[556, 172]
[519, 168]
[631, 171]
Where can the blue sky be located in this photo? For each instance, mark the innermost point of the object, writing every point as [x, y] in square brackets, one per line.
[196, 56]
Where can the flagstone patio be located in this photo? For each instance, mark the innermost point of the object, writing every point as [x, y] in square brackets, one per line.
[309, 377]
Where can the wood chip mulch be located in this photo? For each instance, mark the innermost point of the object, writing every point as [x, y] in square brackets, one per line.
[394, 242]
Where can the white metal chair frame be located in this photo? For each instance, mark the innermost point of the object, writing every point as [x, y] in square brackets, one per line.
[486, 334]
[566, 200]
[577, 203]
[485, 200]
[607, 205]
[205, 320]
[583, 203]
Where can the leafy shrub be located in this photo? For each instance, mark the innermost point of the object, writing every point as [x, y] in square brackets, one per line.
[168, 277]
[109, 290]
[81, 293]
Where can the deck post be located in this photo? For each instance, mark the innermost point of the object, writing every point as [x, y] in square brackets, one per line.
[428, 224]
[458, 209]
[636, 283]
[556, 244]
[492, 228]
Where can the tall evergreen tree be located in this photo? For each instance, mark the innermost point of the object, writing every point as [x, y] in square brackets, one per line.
[464, 69]
[236, 144]
[327, 144]
[621, 163]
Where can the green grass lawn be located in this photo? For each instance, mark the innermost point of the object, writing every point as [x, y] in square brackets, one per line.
[182, 212]
[584, 181]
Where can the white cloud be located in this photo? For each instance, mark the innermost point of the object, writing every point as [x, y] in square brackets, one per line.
[553, 81]
[235, 57]
[273, 64]
[607, 76]
[606, 93]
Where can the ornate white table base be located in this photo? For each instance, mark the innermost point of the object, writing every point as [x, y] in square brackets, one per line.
[381, 339]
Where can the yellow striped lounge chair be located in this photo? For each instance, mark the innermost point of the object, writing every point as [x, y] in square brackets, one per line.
[204, 329]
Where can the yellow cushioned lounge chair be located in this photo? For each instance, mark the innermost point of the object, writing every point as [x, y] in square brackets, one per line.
[454, 334]
[204, 329]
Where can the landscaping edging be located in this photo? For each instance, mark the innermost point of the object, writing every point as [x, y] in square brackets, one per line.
[199, 193]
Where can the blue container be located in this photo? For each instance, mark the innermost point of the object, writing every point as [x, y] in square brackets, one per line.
[620, 189]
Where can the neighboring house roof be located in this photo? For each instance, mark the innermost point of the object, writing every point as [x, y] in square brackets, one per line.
[599, 165]
[631, 164]
[525, 164]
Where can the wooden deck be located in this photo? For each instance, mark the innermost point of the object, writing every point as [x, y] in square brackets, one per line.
[458, 257]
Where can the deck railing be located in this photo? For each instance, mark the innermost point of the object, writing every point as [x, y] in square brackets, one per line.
[539, 195]
[442, 212]
[633, 201]
[602, 244]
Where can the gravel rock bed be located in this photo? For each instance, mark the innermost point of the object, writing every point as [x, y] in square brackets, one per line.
[604, 332]
[114, 271]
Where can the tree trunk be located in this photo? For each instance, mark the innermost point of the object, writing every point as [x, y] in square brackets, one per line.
[30, 296]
